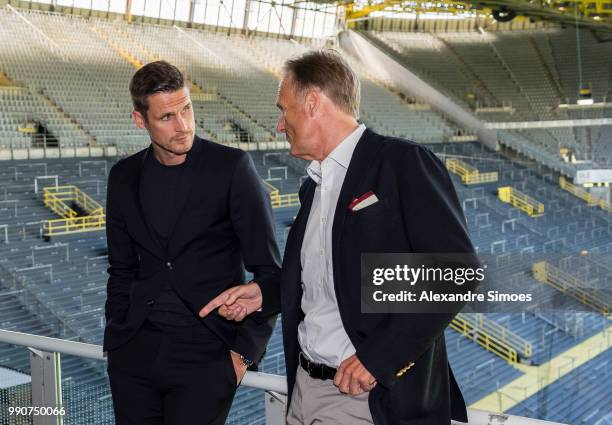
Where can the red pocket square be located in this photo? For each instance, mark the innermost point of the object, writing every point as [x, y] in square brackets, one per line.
[363, 201]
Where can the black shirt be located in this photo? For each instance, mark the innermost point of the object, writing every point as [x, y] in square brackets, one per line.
[159, 187]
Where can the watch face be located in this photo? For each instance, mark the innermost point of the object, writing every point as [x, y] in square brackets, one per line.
[245, 361]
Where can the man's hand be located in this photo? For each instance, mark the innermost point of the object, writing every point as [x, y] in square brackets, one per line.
[239, 367]
[353, 378]
[235, 303]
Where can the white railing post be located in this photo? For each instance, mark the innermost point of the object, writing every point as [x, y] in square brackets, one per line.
[275, 408]
[46, 386]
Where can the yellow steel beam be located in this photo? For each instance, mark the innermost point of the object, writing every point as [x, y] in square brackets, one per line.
[592, 13]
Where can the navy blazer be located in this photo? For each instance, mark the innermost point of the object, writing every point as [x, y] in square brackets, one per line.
[418, 212]
[222, 223]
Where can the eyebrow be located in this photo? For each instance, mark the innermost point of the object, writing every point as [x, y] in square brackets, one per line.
[170, 114]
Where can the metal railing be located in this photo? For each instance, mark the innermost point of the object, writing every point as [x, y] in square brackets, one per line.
[605, 206]
[59, 199]
[521, 201]
[46, 388]
[469, 174]
[65, 226]
[577, 192]
[484, 339]
[547, 273]
[279, 200]
[495, 330]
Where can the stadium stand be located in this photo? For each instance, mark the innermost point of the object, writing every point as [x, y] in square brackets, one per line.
[67, 78]
[515, 76]
[68, 274]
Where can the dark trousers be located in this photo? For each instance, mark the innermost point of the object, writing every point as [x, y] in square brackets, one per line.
[171, 376]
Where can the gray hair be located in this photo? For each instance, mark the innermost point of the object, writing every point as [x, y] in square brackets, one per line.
[327, 70]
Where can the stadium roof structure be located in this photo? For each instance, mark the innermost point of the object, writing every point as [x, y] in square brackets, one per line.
[593, 14]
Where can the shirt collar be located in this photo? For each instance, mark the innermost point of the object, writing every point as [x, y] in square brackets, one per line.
[342, 154]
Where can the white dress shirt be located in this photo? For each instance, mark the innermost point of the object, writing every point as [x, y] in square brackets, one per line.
[321, 334]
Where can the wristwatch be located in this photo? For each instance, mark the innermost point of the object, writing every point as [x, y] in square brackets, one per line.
[245, 362]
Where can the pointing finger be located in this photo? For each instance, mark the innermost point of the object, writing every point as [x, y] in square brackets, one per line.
[213, 304]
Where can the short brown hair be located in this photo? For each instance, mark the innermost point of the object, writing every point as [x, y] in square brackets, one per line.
[329, 71]
[154, 77]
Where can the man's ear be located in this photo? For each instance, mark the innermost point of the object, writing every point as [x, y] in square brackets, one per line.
[139, 119]
[312, 102]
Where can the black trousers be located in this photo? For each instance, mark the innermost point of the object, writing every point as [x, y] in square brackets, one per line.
[171, 376]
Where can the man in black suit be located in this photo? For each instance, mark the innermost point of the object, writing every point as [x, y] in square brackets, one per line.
[184, 218]
[366, 193]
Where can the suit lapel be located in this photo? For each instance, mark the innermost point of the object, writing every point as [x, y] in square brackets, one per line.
[366, 149]
[299, 225]
[141, 221]
[292, 267]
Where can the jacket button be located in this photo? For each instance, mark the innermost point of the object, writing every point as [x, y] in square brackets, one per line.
[169, 265]
[150, 302]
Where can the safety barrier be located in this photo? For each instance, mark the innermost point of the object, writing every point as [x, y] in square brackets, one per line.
[494, 329]
[468, 328]
[62, 201]
[521, 201]
[547, 273]
[279, 200]
[65, 226]
[577, 192]
[45, 369]
[469, 174]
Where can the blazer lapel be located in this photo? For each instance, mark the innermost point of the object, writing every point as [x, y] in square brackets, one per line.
[141, 221]
[366, 149]
[298, 229]
[292, 267]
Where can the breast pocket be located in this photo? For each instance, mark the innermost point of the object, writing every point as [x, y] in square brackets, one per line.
[380, 207]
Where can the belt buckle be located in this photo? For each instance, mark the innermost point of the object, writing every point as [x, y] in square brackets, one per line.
[309, 364]
[322, 376]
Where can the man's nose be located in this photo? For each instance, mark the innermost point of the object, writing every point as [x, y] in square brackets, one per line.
[280, 125]
[181, 124]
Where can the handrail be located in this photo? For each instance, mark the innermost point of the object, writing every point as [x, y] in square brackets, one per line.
[504, 334]
[55, 197]
[520, 200]
[279, 200]
[469, 174]
[484, 339]
[264, 381]
[64, 226]
[259, 380]
[547, 273]
[577, 192]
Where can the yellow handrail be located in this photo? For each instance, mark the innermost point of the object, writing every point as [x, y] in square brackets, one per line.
[521, 201]
[469, 174]
[55, 199]
[500, 332]
[64, 226]
[58, 200]
[547, 273]
[577, 192]
[484, 339]
[279, 200]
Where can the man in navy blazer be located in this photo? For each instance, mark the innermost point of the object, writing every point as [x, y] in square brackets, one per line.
[184, 218]
[344, 366]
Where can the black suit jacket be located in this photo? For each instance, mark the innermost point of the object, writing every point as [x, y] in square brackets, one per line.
[418, 212]
[222, 223]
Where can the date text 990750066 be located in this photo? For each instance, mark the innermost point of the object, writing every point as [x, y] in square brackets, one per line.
[37, 411]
